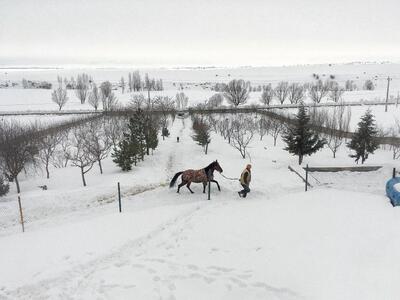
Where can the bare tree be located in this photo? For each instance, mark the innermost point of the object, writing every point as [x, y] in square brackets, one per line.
[149, 85]
[336, 92]
[122, 84]
[99, 143]
[110, 103]
[318, 116]
[94, 97]
[282, 91]
[106, 90]
[337, 125]
[82, 87]
[81, 156]
[350, 85]
[18, 148]
[264, 126]
[318, 90]
[267, 95]
[136, 81]
[276, 128]
[242, 129]
[59, 97]
[166, 106]
[113, 129]
[394, 135]
[296, 93]
[48, 146]
[137, 102]
[236, 92]
[215, 100]
[181, 100]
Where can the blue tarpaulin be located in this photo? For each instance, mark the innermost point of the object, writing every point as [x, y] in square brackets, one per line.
[391, 191]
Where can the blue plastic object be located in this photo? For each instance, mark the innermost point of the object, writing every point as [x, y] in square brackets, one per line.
[391, 192]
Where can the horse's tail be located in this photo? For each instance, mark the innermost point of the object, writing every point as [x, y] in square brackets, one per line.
[172, 183]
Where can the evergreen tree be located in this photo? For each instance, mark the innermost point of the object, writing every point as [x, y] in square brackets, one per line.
[137, 134]
[4, 187]
[152, 142]
[124, 155]
[141, 136]
[364, 139]
[201, 133]
[300, 138]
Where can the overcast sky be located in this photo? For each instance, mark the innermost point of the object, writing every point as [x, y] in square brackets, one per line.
[197, 32]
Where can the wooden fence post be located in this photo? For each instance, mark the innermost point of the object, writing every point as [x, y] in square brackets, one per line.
[20, 213]
[306, 177]
[119, 197]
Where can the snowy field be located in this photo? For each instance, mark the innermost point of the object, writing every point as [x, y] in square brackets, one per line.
[12, 99]
[337, 241]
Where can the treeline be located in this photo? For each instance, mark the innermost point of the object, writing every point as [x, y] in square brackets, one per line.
[102, 95]
[237, 92]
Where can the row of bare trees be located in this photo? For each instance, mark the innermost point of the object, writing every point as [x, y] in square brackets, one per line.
[86, 89]
[82, 145]
[237, 92]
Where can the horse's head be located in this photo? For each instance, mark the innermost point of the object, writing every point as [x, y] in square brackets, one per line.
[216, 166]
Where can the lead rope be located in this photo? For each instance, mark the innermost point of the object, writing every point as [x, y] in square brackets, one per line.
[228, 177]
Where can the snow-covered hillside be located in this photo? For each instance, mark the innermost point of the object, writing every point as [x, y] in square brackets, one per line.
[337, 241]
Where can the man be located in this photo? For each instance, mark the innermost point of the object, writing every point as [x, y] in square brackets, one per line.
[245, 179]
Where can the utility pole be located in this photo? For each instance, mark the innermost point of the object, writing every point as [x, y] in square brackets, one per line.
[397, 99]
[387, 93]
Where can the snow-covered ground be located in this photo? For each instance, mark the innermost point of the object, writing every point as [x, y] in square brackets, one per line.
[12, 99]
[337, 241]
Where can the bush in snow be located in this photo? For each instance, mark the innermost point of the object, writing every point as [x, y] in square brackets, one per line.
[369, 85]
[267, 95]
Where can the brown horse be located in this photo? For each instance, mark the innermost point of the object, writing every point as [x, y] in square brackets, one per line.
[197, 176]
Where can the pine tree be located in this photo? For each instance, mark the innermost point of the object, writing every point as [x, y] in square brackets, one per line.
[4, 187]
[300, 138]
[364, 139]
[201, 133]
[123, 155]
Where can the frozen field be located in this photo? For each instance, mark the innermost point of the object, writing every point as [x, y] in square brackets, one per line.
[337, 241]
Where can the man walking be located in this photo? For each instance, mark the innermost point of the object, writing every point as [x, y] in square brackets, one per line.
[245, 179]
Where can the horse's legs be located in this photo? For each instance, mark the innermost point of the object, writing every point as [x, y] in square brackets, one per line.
[204, 187]
[181, 185]
[188, 186]
[219, 189]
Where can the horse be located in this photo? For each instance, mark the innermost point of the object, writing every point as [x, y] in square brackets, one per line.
[197, 176]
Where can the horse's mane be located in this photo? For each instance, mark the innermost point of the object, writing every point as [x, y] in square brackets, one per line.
[206, 169]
